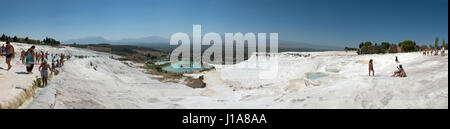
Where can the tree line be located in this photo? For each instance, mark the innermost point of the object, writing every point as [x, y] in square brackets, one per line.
[45, 41]
[386, 47]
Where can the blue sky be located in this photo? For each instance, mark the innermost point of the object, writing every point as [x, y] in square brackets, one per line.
[325, 22]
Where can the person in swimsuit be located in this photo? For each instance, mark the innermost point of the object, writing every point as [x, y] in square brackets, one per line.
[2, 50]
[58, 64]
[46, 56]
[371, 68]
[22, 56]
[36, 60]
[53, 64]
[29, 59]
[42, 56]
[62, 59]
[9, 54]
[44, 68]
[400, 72]
[437, 51]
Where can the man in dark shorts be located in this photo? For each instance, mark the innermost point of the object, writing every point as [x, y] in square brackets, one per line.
[9, 54]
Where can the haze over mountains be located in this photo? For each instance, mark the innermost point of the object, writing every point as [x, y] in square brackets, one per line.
[156, 41]
[98, 39]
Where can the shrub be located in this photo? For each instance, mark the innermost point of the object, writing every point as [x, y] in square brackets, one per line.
[37, 82]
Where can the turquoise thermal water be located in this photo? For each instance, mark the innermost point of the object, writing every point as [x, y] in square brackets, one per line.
[177, 68]
[314, 76]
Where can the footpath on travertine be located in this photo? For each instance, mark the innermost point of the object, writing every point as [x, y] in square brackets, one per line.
[15, 84]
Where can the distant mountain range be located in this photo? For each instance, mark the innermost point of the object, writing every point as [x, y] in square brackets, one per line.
[156, 42]
[87, 40]
[127, 41]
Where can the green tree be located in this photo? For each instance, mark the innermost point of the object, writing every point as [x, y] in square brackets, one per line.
[50, 41]
[15, 39]
[443, 43]
[385, 45]
[408, 45]
[436, 42]
[368, 43]
[3, 38]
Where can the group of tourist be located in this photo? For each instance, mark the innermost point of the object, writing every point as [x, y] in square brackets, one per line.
[43, 57]
[401, 72]
[30, 57]
[430, 52]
